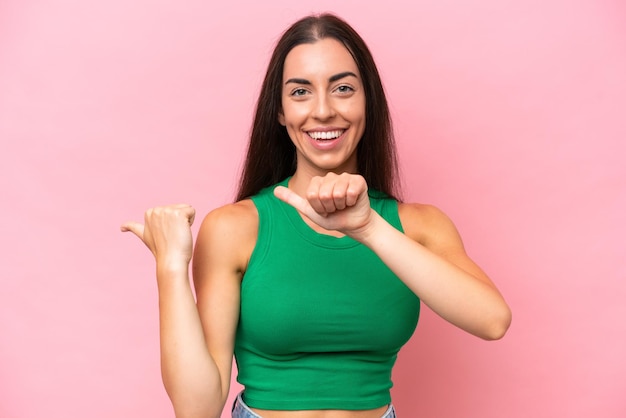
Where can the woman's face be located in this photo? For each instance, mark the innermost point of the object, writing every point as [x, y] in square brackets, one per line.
[323, 106]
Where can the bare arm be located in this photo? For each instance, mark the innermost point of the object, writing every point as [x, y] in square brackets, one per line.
[225, 242]
[190, 374]
[431, 262]
[193, 375]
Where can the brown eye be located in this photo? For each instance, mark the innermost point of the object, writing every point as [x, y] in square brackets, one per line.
[298, 92]
[345, 89]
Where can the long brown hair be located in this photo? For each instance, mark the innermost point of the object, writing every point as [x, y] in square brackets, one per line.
[271, 156]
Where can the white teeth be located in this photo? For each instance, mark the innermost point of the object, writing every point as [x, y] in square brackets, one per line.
[325, 135]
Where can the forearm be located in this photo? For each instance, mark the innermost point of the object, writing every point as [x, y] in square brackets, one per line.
[190, 375]
[459, 297]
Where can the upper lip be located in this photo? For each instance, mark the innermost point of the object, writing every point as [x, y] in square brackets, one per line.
[325, 129]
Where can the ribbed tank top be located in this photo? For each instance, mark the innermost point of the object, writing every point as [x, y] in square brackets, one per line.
[322, 318]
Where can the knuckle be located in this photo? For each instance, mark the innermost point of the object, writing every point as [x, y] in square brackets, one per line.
[326, 195]
[352, 192]
[311, 195]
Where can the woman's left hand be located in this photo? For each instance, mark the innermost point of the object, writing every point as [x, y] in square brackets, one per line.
[336, 202]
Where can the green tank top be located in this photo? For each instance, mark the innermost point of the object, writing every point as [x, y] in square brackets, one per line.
[322, 318]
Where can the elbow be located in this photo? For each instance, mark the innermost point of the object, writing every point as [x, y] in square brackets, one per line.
[181, 412]
[188, 407]
[499, 325]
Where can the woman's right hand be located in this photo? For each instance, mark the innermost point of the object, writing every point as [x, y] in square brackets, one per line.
[166, 231]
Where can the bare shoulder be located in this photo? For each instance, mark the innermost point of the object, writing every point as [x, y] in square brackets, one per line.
[239, 217]
[429, 226]
[228, 235]
[433, 229]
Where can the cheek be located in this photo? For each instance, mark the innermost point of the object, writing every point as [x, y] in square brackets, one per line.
[354, 108]
[294, 115]
[356, 113]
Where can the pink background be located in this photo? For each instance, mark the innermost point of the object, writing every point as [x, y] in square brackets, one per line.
[510, 117]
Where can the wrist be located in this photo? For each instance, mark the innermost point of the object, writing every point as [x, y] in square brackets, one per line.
[172, 267]
[366, 233]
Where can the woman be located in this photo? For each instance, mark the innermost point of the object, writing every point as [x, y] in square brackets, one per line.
[314, 276]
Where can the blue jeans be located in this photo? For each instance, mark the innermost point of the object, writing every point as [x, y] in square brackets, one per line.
[241, 410]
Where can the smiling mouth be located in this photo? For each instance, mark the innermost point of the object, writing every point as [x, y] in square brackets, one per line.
[326, 136]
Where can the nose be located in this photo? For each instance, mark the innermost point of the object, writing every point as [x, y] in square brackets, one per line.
[323, 108]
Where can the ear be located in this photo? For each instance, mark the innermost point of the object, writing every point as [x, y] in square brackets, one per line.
[281, 118]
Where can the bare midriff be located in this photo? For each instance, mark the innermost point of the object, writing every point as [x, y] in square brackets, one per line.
[370, 413]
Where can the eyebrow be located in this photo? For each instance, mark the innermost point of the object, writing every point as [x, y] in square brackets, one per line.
[332, 79]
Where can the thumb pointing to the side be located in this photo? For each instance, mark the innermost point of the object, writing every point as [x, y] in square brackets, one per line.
[292, 198]
[134, 227]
